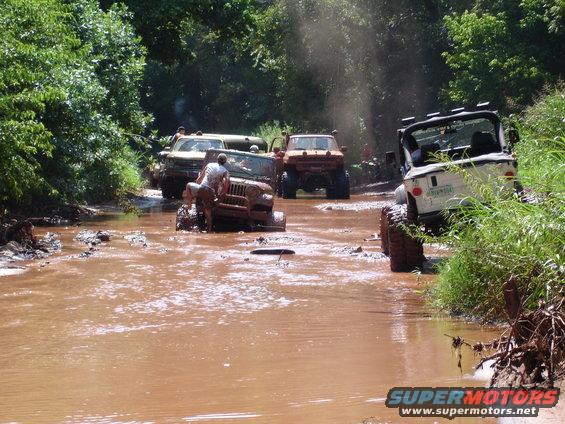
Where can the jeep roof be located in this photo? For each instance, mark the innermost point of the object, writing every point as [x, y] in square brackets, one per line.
[238, 142]
[460, 149]
[214, 142]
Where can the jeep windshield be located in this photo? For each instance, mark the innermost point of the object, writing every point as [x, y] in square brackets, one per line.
[456, 139]
[196, 145]
[244, 165]
[312, 143]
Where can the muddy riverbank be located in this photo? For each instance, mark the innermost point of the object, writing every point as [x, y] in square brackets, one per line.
[193, 328]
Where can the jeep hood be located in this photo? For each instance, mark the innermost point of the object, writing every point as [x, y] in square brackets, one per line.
[476, 161]
[187, 155]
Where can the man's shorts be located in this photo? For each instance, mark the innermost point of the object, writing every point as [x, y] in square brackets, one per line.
[204, 193]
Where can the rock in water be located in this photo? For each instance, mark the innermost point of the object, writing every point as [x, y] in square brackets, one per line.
[136, 238]
[92, 238]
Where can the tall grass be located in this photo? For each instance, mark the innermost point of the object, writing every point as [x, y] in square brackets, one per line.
[506, 237]
[271, 130]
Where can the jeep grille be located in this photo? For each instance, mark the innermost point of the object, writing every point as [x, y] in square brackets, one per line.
[193, 165]
[236, 195]
[313, 159]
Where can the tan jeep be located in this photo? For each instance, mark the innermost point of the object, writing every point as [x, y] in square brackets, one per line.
[182, 163]
[312, 162]
[250, 199]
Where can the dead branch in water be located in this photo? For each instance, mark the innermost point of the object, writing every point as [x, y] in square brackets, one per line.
[531, 353]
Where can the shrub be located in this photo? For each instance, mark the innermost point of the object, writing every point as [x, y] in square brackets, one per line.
[69, 83]
[506, 237]
[271, 130]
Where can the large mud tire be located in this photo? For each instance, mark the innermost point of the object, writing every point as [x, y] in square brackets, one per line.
[187, 219]
[406, 253]
[342, 184]
[383, 225]
[168, 189]
[276, 222]
[279, 189]
[289, 185]
[340, 188]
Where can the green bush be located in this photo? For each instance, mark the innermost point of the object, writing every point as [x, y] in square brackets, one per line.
[272, 130]
[504, 51]
[506, 237]
[69, 100]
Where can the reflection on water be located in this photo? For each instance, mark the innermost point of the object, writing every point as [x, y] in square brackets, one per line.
[192, 328]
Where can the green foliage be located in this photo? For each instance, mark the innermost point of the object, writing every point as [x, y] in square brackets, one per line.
[33, 45]
[69, 82]
[504, 237]
[542, 159]
[505, 51]
[353, 65]
[272, 131]
[197, 73]
[71, 72]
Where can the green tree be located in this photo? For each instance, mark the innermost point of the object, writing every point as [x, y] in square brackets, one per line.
[505, 51]
[69, 83]
[35, 45]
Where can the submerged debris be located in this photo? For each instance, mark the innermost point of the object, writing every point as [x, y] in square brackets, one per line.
[261, 241]
[187, 219]
[531, 352]
[18, 241]
[272, 252]
[136, 238]
[93, 237]
[88, 253]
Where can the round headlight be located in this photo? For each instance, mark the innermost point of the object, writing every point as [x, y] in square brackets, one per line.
[253, 191]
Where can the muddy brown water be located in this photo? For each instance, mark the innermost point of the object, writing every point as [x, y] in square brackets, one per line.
[192, 328]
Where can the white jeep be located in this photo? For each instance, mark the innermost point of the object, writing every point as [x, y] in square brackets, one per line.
[470, 140]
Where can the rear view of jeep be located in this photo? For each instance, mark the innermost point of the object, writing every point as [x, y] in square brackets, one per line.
[471, 141]
[313, 162]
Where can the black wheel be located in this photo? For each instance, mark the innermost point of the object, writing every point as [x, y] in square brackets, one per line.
[289, 185]
[167, 189]
[406, 252]
[179, 189]
[276, 221]
[341, 182]
[383, 225]
[187, 219]
[279, 189]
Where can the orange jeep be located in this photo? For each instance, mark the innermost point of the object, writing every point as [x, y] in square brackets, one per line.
[311, 162]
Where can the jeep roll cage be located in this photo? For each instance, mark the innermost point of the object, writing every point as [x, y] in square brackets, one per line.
[436, 121]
